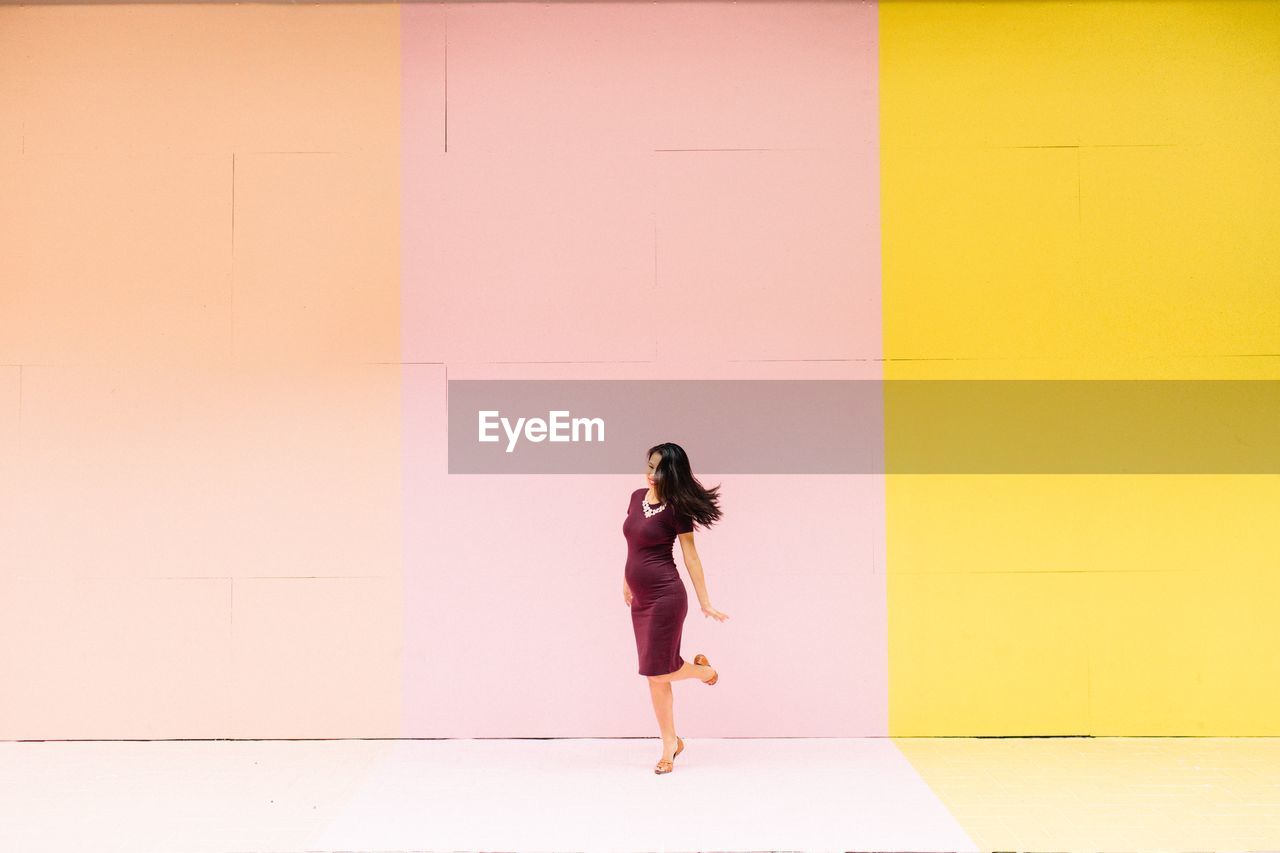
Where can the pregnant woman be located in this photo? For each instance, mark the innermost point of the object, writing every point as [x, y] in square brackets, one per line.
[652, 588]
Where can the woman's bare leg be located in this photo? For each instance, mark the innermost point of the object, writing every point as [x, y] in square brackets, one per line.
[664, 702]
[686, 670]
[663, 707]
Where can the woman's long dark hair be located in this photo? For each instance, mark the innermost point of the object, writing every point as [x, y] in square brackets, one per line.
[674, 483]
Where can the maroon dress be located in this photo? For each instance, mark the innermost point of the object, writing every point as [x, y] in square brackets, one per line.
[659, 602]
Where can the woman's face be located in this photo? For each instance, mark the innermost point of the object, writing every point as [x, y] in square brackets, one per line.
[654, 459]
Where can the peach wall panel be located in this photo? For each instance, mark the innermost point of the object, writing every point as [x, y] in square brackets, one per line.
[141, 80]
[106, 658]
[13, 52]
[314, 472]
[315, 657]
[145, 473]
[123, 473]
[316, 258]
[318, 78]
[11, 493]
[117, 259]
[185, 79]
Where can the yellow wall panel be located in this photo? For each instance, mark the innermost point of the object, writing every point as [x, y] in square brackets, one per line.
[1084, 191]
[1175, 71]
[1181, 250]
[973, 654]
[960, 524]
[1238, 683]
[1103, 72]
[981, 257]
[1144, 634]
[1185, 652]
[957, 74]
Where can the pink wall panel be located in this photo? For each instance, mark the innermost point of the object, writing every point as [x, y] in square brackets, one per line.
[637, 191]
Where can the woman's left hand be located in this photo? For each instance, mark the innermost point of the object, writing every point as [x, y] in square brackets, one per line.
[708, 610]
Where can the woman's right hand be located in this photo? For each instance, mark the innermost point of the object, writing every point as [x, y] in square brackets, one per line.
[626, 594]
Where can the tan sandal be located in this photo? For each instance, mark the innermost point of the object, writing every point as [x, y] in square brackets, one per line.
[665, 766]
[701, 660]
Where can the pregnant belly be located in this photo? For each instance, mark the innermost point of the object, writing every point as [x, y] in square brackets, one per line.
[649, 578]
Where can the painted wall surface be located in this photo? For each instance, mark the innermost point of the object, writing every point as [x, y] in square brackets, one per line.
[243, 248]
[1081, 191]
[199, 382]
[637, 191]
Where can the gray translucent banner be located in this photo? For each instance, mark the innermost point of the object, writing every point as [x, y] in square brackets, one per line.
[840, 426]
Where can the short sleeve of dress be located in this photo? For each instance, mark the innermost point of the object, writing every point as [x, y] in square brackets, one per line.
[684, 524]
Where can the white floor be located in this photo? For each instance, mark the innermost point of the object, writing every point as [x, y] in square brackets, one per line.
[517, 795]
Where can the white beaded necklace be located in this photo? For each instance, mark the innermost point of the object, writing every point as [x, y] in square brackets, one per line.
[649, 513]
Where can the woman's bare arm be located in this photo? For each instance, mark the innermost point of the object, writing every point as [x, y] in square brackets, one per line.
[694, 565]
[691, 562]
